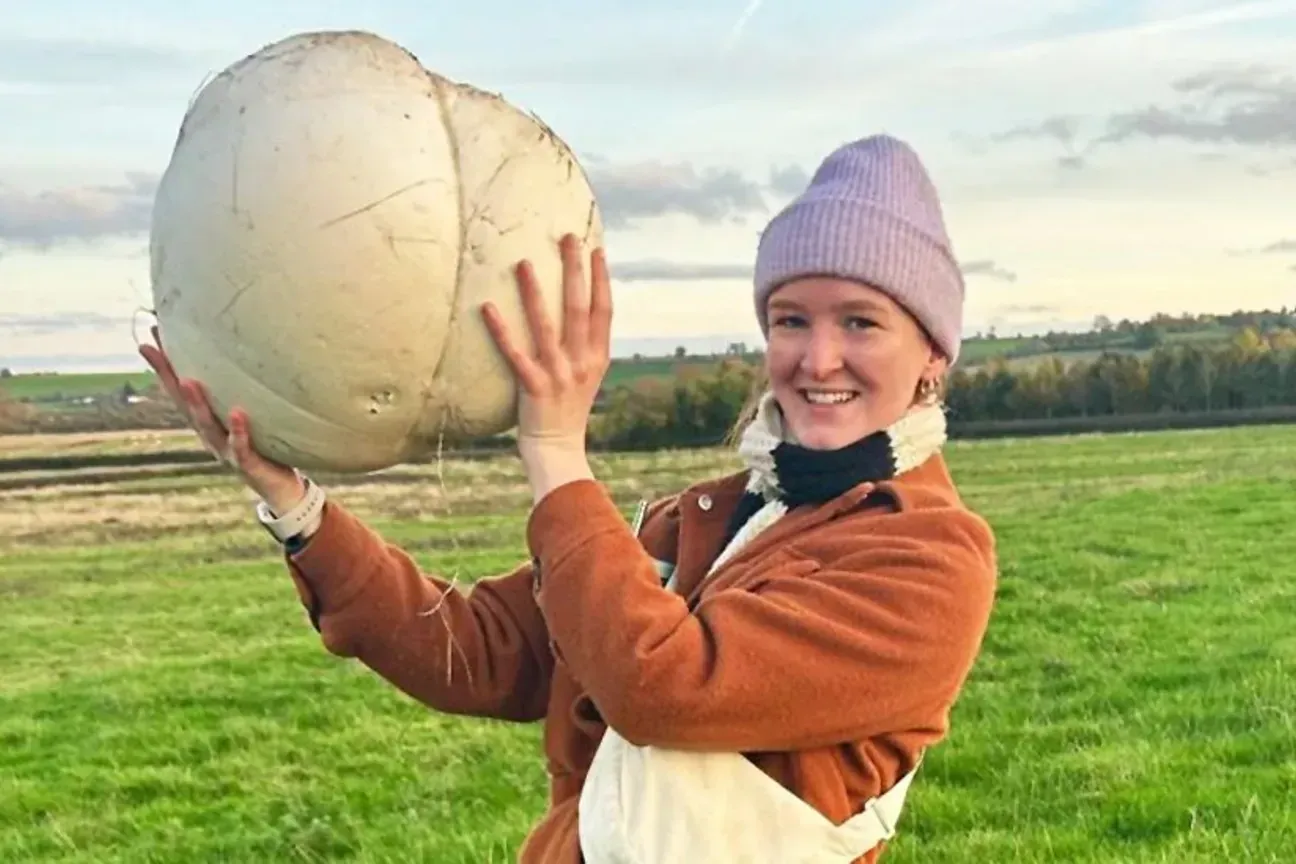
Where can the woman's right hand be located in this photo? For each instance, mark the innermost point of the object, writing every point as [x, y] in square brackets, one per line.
[278, 485]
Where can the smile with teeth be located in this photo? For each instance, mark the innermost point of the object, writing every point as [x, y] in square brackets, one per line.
[828, 397]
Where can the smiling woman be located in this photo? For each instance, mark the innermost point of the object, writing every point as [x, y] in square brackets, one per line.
[844, 360]
[752, 670]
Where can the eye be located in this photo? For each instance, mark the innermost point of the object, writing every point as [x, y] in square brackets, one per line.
[789, 321]
[856, 322]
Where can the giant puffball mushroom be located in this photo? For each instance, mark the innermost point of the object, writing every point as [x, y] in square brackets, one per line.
[331, 220]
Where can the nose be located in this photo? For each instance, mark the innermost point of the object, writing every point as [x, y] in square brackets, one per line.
[823, 355]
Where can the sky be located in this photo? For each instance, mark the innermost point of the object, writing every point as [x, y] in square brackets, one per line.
[1093, 158]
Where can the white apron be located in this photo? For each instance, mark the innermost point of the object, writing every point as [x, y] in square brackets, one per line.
[651, 805]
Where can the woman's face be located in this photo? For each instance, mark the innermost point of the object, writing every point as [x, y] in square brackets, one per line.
[844, 360]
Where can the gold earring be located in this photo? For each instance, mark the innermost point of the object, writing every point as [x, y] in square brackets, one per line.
[928, 391]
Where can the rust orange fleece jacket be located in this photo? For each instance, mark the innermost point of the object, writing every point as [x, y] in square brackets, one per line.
[830, 649]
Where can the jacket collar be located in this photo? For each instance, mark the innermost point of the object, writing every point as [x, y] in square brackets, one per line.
[703, 509]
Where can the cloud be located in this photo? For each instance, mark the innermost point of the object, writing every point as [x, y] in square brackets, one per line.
[1278, 247]
[988, 268]
[790, 180]
[68, 61]
[1017, 309]
[659, 270]
[69, 322]
[630, 193]
[735, 32]
[1063, 129]
[1285, 246]
[1026, 319]
[656, 270]
[871, 55]
[1251, 106]
[82, 213]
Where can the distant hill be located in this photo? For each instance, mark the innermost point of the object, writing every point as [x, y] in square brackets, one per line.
[53, 387]
[1126, 336]
[101, 395]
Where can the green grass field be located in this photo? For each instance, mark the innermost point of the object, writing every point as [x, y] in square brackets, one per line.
[162, 697]
[977, 351]
[623, 372]
[73, 385]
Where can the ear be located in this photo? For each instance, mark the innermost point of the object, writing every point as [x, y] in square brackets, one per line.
[937, 364]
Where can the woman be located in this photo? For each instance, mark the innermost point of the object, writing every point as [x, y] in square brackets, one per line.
[754, 670]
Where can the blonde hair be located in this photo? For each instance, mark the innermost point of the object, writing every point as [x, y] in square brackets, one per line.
[749, 409]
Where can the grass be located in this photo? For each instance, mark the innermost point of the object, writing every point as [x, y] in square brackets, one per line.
[623, 372]
[1068, 358]
[77, 385]
[976, 351]
[101, 443]
[162, 697]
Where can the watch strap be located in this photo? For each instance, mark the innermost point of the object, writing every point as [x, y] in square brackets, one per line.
[304, 515]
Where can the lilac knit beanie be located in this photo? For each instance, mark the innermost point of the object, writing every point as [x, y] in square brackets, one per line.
[871, 213]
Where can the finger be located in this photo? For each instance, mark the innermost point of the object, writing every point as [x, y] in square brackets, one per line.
[524, 368]
[157, 358]
[157, 349]
[158, 361]
[575, 296]
[254, 465]
[542, 329]
[211, 430]
[600, 313]
[154, 358]
[239, 443]
[204, 404]
[162, 367]
[170, 385]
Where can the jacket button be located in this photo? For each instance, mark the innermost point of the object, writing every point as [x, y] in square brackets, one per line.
[704, 501]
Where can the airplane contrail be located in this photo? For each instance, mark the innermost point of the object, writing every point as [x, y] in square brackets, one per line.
[736, 30]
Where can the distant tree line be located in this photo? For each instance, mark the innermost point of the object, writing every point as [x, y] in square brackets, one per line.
[1252, 370]
[695, 407]
[1250, 378]
[1143, 335]
[1241, 380]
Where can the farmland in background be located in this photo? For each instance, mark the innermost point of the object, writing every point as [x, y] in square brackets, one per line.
[1167, 372]
[74, 387]
[165, 698]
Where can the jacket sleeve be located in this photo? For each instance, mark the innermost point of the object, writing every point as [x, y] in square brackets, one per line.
[814, 656]
[482, 652]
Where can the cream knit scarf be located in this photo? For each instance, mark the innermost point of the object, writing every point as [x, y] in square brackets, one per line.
[782, 474]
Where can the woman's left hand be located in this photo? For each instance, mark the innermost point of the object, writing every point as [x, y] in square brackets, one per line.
[559, 381]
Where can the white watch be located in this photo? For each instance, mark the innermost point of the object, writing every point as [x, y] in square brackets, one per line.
[304, 515]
